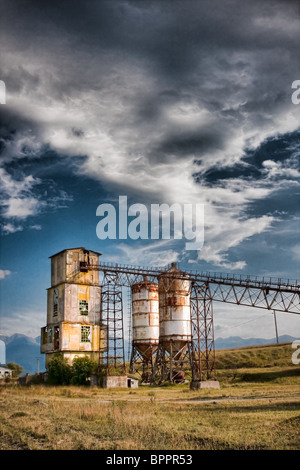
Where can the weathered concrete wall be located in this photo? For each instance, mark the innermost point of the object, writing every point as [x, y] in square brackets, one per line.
[114, 381]
[73, 304]
[133, 383]
[197, 384]
[65, 267]
[67, 297]
[68, 337]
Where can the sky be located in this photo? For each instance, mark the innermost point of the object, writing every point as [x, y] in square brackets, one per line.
[164, 102]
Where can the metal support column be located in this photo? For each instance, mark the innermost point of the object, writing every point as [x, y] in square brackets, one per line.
[172, 364]
[142, 363]
[203, 354]
[112, 353]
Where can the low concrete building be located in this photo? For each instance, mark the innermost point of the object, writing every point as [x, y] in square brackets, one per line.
[116, 381]
[132, 383]
[5, 373]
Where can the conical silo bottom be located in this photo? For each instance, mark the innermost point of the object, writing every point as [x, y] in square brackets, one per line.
[175, 348]
[147, 351]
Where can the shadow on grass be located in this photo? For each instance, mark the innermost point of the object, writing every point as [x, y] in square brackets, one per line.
[241, 408]
[268, 376]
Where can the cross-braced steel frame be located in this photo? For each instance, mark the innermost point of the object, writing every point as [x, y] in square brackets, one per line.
[203, 346]
[173, 363]
[142, 362]
[112, 354]
[252, 291]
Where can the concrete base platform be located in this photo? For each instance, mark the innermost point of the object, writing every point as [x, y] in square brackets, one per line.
[117, 381]
[197, 384]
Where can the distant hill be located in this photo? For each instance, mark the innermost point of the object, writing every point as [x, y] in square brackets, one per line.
[237, 342]
[264, 357]
[24, 350]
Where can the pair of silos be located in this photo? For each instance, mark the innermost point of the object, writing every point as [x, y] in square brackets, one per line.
[161, 314]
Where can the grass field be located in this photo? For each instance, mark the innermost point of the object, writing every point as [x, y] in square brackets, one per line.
[255, 408]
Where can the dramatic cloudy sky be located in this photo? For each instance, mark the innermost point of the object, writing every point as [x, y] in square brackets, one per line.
[180, 101]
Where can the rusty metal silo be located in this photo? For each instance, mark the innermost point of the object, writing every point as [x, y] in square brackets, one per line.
[145, 327]
[175, 336]
[174, 309]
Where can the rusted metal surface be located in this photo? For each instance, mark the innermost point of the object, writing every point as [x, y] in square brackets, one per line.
[112, 352]
[253, 291]
[145, 328]
[203, 355]
[179, 377]
[182, 335]
[173, 356]
[174, 310]
[145, 317]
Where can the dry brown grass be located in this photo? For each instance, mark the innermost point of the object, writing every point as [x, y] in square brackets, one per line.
[238, 416]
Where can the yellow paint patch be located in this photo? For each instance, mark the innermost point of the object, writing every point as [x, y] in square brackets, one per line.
[83, 292]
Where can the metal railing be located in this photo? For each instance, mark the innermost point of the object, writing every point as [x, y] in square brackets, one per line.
[208, 276]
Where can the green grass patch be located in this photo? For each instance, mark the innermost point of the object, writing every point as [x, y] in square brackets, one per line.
[255, 356]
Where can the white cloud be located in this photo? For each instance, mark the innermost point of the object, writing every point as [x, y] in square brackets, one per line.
[230, 96]
[24, 144]
[21, 208]
[20, 200]
[13, 187]
[275, 169]
[4, 273]
[11, 228]
[117, 152]
[154, 254]
[17, 197]
[296, 251]
[25, 321]
[228, 232]
[251, 322]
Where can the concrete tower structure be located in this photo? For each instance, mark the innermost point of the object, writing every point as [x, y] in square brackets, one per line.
[73, 307]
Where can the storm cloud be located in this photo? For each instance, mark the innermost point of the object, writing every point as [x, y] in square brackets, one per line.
[155, 97]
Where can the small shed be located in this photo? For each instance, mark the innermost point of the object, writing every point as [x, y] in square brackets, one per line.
[132, 383]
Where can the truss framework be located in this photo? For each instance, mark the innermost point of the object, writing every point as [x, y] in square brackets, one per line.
[112, 354]
[198, 355]
[203, 349]
[142, 363]
[172, 364]
[252, 291]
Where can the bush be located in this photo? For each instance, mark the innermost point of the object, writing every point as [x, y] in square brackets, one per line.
[16, 369]
[82, 369]
[59, 371]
